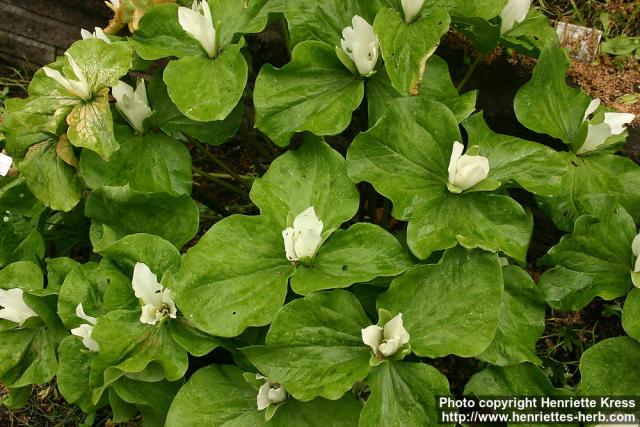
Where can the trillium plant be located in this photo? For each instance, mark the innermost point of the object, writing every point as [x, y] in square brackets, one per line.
[269, 212]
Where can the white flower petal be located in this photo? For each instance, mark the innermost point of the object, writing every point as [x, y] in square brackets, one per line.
[84, 331]
[149, 314]
[146, 286]
[466, 171]
[389, 347]
[596, 136]
[167, 299]
[289, 244]
[79, 87]
[277, 394]
[372, 336]
[263, 397]
[635, 245]
[5, 164]
[593, 106]
[456, 153]
[13, 307]
[514, 11]
[394, 329]
[636, 267]
[360, 43]
[411, 9]
[199, 25]
[304, 238]
[82, 315]
[618, 121]
[132, 104]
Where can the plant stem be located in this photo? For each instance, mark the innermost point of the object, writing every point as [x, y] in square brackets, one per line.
[218, 162]
[221, 183]
[467, 76]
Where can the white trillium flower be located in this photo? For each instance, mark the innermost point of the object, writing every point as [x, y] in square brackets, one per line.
[157, 301]
[635, 247]
[132, 104]
[613, 124]
[79, 88]
[386, 341]
[411, 9]
[198, 23]
[361, 44]
[114, 5]
[85, 330]
[304, 238]
[514, 11]
[269, 393]
[13, 307]
[5, 163]
[98, 33]
[465, 171]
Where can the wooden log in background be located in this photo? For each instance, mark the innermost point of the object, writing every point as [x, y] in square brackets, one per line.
[34, 32]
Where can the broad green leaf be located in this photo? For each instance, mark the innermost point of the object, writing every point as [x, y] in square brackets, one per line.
[359, 254]
[49, 178]
[532, 35]
[595, 260]
[406, 154]
[486, 9]
[58, 269]
[492, 222]
[314, 175]
[547, 104]
[167, 117]
[102, 63]
[72, 377]
[16, 397]
[129, 346]
[149, 163]
[602, 173]
[470, 281]
[27, 356]
[324, 20]
[379, 93]
[403, 393]
[16, 198]
[191, 338]
[235, 277]
[631, 314]
[153, 399]
[22, 274]
[20, 240]
[220, 395]
[160, 35]
[609, 368]
[207, 99]
[158, 254]
[521, 321]
[314, 346]
[125, 211]
[91, 126]
[535, 167]
[243, 17]
[407, 47]
[314, 92]
[484, 34]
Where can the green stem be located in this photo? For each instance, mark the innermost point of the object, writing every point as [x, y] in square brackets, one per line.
[218, 162]
[221, 183]
[467, 76]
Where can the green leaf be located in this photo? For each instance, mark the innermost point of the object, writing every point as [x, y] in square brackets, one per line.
[220, 395]
[483, 34]
[491, 222]
[519, 380]
[191, 338]
[379, 93]
[403, 394]
[521, 321]
[535, 167]
[324, 20]
[20, 240]
[609, 368]
[167, 117]
[58, 269]
[359, 254]
[621, 45]
[407, 47]
[207, 99]
[547, 104]
[129, 346]
[532, 35]
[125, 211]
[153, 399]
[91, 126]
[160, 35]
[235, 277]
[595, 260]
[631, 314]
[314, 92]
[22, 274]
[49, 178]
[314, 175]
[242, 17]
[486, 9]
[598, 173]
[314, 346]
[471, 284]
[72, 377]
[101, 63]
[149, 163]
[406, 154]
[27, 356]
